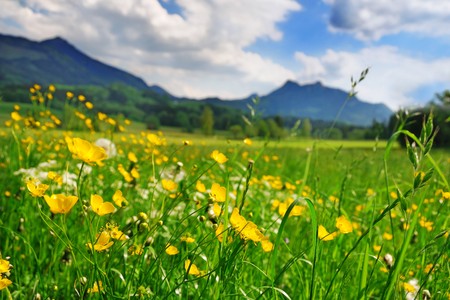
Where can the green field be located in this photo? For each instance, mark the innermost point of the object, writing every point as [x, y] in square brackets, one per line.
[172, 215]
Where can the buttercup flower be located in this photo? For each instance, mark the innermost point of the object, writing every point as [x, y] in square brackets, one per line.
[4, 283]
[100, 207]
[36, 188]
[168, 184]
[172, 250]
[60, 204]
[324, 235]
[86, 151]
[247, 229]
[199, 186]
[116, 234]
[118, 198]
[218, 157]
[218, 193]
[102, 243]
[4, 266]
[97, 287]
[344, 225]
[266, 245]
[191, 268]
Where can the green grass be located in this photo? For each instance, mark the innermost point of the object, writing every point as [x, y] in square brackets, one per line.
[373, 198]
[50, 256]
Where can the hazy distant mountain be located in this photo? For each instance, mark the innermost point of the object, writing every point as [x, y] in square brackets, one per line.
[313, 101]
[56, 61]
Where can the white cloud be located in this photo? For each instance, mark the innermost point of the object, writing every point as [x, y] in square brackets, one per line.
[200, 48]
[370, 20]
[393, 77]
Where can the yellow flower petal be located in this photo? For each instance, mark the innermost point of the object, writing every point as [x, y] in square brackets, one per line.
[118, 198]
[60, 204]
[218, 193]
[36, 188]
[101, 208]
[324, 235]
[4, 283]
[218, 157]
[191, 268]
[200, 187]
[172, 250]
[168, 185]
[266, 245]
[344, 225]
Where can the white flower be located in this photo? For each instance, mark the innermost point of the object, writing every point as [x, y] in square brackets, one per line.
[108, 145]
[415, 284]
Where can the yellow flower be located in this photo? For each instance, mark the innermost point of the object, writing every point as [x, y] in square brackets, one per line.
[370, 192]
[218, 157]
[102, 243]
[101, 116]
[266, 245]
[101, 208]
[55, 177]
[136, 250]
[81, 98]
[118, 198]
[36, 188]
[344, 225]
[172, 250]
[191, 268]
[409, 287]
[187, 239]
[86, 151]
[16, 116]
[89, 105]
[97, 287]
[219, 232]
[200, 187]
[69, 95]
[51, 88]
[116, 234]
[247, 229]
[127, 176]
[324, 235]
[248, 141]
[387, 236]
[168, 185]
[60, 204]
[217, 210]
[4, 266]
[218, 193]
[4, 283]
[132, 157]
[134, 173]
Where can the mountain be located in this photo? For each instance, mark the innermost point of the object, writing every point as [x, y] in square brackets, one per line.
[56, 61]
[314, 101]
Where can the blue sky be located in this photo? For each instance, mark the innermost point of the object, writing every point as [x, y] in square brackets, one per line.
[231, 49]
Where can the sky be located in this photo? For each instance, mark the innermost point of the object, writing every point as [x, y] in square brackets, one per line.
[234, 48]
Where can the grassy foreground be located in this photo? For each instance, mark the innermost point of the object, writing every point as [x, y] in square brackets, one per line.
[167, 218]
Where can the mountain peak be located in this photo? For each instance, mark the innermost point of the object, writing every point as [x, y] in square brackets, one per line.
[64, 64]
[55, 41]
[290, 84]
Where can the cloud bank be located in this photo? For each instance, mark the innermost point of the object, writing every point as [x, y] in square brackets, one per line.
[371, 20]
[393, 77]
[198, 52]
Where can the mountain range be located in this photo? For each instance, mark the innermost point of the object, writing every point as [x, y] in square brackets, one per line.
[56, 61]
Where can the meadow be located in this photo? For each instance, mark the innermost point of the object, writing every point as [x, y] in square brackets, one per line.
[106, 209]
